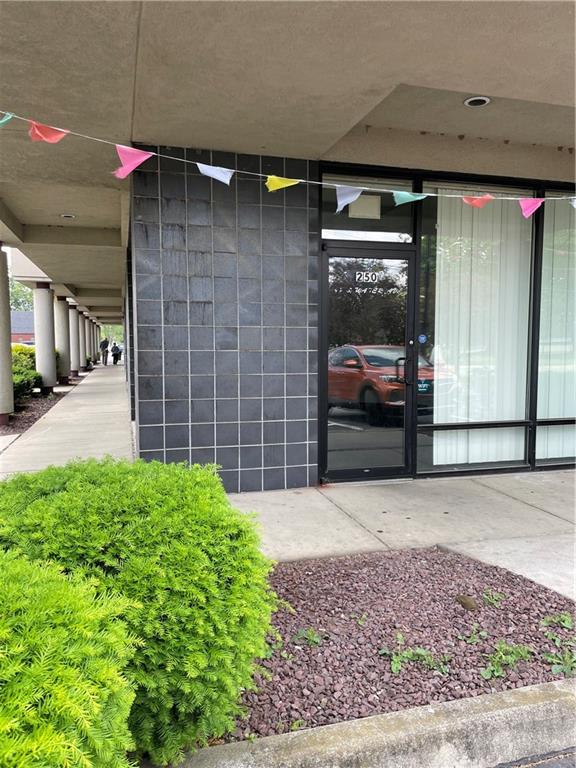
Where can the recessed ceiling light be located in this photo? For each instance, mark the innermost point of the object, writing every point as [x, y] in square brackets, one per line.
[477, 101]
[67, 215]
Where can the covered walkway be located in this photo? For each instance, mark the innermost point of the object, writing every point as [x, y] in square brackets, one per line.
[92, 420]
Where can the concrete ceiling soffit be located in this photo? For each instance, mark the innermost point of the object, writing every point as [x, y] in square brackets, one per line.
[252, 77]
[92, 295]
[72, 236]
[432, 110]
[79, 266]
[294, 78]
[70, 64]
[72, 161]
[11, 228]
[412, 149]
[44, 203]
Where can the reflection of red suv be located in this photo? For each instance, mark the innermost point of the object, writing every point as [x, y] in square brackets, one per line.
[372, 379]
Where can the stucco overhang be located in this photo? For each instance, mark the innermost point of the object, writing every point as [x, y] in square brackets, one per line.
[372, 82]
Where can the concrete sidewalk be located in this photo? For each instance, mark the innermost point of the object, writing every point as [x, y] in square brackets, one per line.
[92, 420]
[522, 522]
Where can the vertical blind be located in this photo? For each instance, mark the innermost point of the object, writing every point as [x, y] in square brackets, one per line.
[483, 261]
[557, 347]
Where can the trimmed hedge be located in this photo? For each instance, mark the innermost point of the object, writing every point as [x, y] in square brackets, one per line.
[24, 381]
[64, 699]
[24, 356]
[167, 537]
[24, 375]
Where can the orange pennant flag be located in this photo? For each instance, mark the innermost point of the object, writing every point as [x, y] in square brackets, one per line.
[40, 132]
[279, 182]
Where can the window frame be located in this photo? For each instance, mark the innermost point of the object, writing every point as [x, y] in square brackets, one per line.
[419, 177]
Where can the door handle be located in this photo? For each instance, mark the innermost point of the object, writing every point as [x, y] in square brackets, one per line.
[408, 369]
[407, 378]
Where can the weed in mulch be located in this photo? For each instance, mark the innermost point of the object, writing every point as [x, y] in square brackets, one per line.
[344, 610]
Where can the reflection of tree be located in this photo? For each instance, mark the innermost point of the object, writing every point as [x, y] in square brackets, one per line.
[367, 313]
[427, 291]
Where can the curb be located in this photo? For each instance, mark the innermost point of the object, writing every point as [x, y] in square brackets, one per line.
[467, 733]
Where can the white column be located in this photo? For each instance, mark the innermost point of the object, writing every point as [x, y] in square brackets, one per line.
[95, 340]
[87, 344]
[6, 386]
[62, 337]
[44, 341]
[82, 340]
[74, 341]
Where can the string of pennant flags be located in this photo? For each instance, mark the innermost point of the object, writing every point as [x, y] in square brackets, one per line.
[132, 157]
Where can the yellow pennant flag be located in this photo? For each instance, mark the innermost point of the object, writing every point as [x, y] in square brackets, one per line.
[279, 182]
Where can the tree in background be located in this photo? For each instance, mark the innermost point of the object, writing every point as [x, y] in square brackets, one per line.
[20, 296]
[113, 333]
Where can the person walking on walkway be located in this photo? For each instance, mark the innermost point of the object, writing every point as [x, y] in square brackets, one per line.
[116, 352]
[104, 350]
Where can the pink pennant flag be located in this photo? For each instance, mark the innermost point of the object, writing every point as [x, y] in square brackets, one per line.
[478, 202]
[40, 132]
[131, 158]
[529, 205]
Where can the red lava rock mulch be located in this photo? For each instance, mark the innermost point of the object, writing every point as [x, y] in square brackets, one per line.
[359, 603]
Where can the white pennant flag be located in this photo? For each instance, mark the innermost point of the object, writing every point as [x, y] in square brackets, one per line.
[220, 174]
[346, 195]
[573, 202]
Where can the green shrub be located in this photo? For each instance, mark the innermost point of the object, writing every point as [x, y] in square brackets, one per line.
[23, 356]
[24, 375]
[64, 699]
[166, 536]
[24, 380]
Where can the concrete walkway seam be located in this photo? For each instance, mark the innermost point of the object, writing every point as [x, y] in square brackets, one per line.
[352, 518]
[478, 481]
[467, 733]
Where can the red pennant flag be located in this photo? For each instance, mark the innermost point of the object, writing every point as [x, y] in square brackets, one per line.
[529, 205]
[478, 202]
[40, 132]
[131, 158]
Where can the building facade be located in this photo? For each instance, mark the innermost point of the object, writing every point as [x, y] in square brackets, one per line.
[292, 345]
[22, 327]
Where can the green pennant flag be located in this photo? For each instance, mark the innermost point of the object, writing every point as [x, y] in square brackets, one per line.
[406, 197]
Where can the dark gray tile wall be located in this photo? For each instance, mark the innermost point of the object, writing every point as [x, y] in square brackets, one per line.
[129, 334]
[226, 314]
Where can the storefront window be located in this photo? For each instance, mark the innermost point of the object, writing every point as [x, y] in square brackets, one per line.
[557, 345]
[474, 324]
[471, 448]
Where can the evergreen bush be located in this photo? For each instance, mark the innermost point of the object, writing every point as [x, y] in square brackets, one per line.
[24, 375]
[63, 698]
[23, 381]
[167, 537]
[24, 356]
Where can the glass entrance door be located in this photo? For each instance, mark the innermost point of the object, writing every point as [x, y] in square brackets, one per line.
[369, 364]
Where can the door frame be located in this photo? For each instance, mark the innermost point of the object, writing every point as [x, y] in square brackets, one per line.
[360, 249]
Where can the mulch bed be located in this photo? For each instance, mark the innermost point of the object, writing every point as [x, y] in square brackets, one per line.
[28, 411]
[358, 604]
